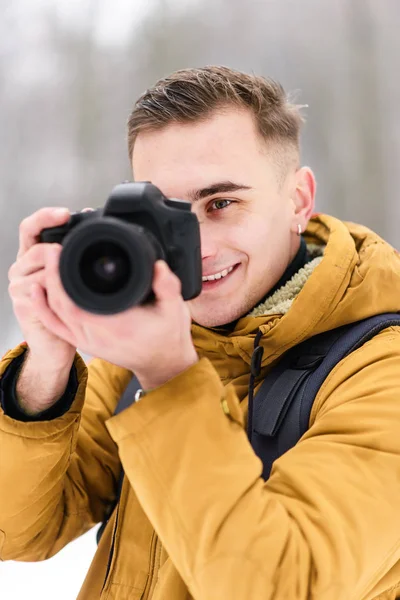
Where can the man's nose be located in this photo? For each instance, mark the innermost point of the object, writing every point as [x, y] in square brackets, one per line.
[209, 241]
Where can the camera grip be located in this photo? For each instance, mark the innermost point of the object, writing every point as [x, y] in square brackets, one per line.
[53, 235]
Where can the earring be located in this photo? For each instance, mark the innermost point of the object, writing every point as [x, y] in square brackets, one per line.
[299, 229]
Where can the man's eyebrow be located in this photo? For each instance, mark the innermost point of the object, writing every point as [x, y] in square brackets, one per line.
[220, 187]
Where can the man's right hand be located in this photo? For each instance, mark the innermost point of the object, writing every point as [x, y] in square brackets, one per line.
[45, 372]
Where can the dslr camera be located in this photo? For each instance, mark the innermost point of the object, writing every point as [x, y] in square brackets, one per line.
[108, 255]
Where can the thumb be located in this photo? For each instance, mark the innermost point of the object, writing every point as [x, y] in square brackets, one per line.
[166, 285]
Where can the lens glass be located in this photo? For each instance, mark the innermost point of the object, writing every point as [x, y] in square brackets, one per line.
[105, 267]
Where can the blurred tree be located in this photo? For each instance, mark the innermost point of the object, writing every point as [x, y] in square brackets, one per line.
[366, 193]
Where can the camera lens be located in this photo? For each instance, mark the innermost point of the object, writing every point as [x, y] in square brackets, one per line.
[105, 268]
[106, 265]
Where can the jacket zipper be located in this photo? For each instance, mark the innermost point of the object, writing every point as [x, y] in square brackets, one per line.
[114, 534]
[111, 554]
[152, 567]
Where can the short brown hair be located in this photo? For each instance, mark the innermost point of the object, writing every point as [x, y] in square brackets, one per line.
[190, 95]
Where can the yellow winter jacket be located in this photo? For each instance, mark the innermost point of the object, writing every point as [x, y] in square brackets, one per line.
[195, 520]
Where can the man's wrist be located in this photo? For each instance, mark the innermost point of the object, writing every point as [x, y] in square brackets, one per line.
[156, 379]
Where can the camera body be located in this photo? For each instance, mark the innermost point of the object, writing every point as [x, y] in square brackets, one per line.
[108, 255]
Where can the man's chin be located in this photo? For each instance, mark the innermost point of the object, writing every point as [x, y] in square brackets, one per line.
[214, 321]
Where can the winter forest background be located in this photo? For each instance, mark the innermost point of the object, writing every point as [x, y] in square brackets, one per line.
[70, 71]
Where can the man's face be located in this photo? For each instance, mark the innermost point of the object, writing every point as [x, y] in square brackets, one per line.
[247, 218]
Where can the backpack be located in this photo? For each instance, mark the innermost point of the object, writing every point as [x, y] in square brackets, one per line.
[280, 411]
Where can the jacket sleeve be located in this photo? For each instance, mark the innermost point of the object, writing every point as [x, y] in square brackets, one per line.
[8, 395]
[325, 526]
[59, 476]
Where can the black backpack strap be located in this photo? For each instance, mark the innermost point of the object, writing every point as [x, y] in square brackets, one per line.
[127, 398]
[282, 406]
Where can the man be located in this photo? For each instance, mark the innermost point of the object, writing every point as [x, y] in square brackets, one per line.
[195, 518]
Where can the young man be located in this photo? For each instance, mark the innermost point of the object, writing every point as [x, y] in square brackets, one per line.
[195, 518]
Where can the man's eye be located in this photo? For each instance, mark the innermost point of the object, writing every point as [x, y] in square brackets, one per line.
[221, 203]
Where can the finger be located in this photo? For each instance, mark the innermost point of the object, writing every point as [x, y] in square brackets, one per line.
[20, 287]
[57, 298]
[166, 285]
[30, 228]
[32, 261]
[46, 316]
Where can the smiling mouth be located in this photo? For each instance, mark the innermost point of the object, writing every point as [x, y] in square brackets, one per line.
[220, 281]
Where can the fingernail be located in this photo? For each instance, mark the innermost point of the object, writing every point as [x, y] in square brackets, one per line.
[61, 212]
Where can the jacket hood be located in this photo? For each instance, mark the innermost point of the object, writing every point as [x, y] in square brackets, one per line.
[354, 274]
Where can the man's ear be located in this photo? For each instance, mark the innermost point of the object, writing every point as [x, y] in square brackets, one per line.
[303, 198]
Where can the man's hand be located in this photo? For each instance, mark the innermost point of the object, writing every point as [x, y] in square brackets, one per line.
[154, 341]
[45, 347]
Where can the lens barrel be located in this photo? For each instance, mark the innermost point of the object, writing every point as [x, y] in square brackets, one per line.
[106, 265]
